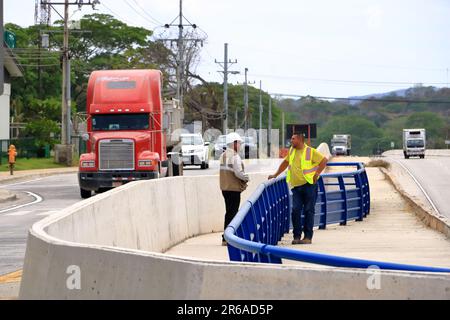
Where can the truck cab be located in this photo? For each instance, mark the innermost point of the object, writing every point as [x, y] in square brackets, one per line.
[414, 143]
[341, 144]
[126, 140]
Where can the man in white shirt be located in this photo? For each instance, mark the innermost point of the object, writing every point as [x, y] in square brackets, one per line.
[233, 179]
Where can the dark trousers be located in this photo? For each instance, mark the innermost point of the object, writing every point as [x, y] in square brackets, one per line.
[304, 200]
[232, 202]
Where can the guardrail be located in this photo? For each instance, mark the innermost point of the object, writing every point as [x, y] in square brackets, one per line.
[264, 218]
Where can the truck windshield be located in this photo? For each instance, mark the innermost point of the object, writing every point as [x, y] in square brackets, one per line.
[120, 122]
[416, 143]
[339, 143]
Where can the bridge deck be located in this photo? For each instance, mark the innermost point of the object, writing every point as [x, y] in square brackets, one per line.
[390, 233]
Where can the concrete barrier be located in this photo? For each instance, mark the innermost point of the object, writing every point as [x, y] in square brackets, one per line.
[111, 247]
[428, 152]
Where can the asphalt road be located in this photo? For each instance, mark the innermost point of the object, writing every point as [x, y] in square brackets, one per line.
[49, 195]
[433, 173]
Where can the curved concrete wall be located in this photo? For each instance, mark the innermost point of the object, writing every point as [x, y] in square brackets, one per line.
[115, 240]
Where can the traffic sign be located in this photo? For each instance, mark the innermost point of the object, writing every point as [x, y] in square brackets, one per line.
[447, 141]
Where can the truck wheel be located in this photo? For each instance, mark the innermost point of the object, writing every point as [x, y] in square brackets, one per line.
[406, 157]
[85, 194]
[348, 153]
[203, 165]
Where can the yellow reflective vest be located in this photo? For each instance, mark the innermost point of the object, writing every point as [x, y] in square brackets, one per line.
[308, 169]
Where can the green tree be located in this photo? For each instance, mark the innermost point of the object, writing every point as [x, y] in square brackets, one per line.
[434, 125]
[365, 134]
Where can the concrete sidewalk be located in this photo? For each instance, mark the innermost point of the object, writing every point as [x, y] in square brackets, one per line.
[392, 233]
[6, 178]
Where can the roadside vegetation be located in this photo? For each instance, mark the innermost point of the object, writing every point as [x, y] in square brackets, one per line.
[31, 164]
[109, 43]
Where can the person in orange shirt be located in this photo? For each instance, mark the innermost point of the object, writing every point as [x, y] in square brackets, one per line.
[12, 153]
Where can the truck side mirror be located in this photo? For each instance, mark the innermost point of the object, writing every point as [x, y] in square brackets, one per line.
[85, 137]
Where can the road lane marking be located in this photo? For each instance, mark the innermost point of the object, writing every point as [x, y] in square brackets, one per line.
[18, 213]
[35, 196]
[15, 276]
[23, 182]
[419, 185]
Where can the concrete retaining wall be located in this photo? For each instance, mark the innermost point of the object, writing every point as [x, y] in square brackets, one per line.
[115, 240]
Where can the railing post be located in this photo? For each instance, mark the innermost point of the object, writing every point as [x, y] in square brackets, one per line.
[344, 197]
[323, 217]
[360, 185]
[367, 193]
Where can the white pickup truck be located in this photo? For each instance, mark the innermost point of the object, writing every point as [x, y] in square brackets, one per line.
[414, 142]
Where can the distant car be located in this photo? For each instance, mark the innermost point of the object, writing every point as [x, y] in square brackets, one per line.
[220, 146]
[249, 149]
[195, 150]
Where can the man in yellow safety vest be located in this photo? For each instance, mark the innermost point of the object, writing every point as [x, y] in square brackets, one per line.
[304, 165]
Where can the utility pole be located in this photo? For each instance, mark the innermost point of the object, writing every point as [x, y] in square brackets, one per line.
[181, 41]
[65, 150]
[42, 16]
[260, 117]
[65, 131]
[180, 64]
[269, 129]
[225, 65]
[283, 133]
[246, 109]
[260, 105]
[246, 101]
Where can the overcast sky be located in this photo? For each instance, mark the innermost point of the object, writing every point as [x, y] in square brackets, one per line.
[321, 47]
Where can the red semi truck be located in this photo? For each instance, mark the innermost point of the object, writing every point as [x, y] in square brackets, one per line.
[129, 130]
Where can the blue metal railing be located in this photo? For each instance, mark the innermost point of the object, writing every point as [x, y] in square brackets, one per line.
[264, 219]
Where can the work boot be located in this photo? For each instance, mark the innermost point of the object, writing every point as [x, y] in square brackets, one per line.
[296, 240]
[305, 241]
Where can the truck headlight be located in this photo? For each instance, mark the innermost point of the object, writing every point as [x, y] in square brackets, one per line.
[145, 163]
[88, 164]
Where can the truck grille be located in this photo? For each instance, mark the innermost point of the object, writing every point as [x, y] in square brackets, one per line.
[117, 154]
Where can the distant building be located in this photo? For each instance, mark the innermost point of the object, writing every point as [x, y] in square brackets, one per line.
[12, 69]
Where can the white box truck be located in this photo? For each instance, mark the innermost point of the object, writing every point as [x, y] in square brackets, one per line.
[341, 144]
[414, 142]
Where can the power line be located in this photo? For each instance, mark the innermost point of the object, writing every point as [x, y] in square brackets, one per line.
[181, 39]
[349, 81]
[38, 65]
[339, 62]
[140, 14]
[115, 14]
[359, 99]
[147, 14]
